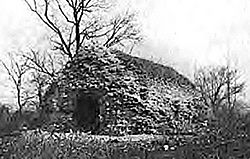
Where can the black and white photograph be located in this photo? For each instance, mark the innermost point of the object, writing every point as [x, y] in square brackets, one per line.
[124, 79]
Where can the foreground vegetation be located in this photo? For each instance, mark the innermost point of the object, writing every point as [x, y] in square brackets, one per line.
[225, 137]
[41, 144]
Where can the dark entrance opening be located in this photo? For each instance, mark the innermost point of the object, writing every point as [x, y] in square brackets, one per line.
[87, 110]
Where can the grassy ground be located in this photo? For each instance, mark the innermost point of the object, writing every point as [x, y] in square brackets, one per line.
[217, 142]
[41, 144]
[227, 137]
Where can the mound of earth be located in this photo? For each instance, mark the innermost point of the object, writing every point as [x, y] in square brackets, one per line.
[110, 92]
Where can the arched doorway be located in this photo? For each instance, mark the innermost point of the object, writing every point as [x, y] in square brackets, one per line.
[88, 105]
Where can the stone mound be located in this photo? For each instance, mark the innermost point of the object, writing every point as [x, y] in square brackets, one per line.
[110, 92]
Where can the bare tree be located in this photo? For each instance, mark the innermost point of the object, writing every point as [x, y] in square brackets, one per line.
[219, 86]
[75, 22]
[44, 69]
[42, 62]
[120, 29]
[16, 71]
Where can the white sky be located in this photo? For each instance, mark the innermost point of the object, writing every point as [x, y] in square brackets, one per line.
[181, 32]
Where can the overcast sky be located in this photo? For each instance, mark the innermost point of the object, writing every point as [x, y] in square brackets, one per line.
[182, 33]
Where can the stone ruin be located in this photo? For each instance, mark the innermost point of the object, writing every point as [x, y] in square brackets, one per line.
[140, 96]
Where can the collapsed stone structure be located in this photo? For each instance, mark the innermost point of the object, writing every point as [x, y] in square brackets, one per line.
[110, 92]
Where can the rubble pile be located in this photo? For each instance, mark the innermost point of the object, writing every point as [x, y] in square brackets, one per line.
[140, 97]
